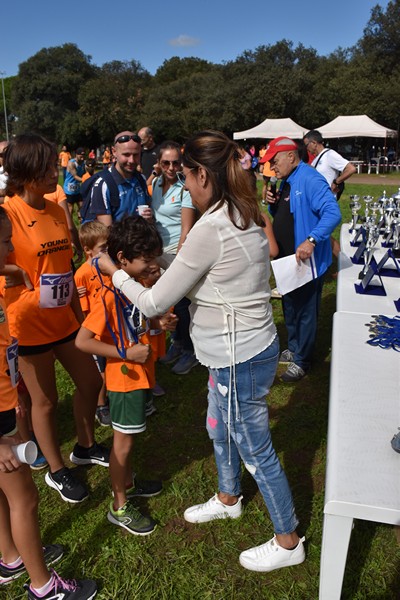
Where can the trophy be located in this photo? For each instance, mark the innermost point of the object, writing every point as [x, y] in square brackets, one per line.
[389, 216]
[373, 236]
[355, 207]
[396, 236]
[367, 200]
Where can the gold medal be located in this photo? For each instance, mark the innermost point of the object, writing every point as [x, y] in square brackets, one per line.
[124, 369]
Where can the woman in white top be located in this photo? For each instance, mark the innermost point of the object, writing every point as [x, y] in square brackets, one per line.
[223, 267]
[174, 215]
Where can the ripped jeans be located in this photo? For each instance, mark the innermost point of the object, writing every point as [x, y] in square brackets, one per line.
[250, 435]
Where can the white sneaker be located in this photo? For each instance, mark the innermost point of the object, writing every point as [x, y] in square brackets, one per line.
[271, 555]
[213, 509]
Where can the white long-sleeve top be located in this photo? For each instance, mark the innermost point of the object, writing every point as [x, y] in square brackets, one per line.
[225, 273]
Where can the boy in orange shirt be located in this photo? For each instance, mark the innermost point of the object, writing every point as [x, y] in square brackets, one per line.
[93, 239]
[117, 329]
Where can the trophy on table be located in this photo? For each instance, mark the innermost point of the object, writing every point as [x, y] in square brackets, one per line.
[370, 247]
[367, 200]
[355, 206]
[396, 236]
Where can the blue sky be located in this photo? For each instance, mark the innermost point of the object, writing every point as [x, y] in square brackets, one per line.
[154, 31]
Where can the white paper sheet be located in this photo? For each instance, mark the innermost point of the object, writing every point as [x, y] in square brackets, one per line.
[289, 275]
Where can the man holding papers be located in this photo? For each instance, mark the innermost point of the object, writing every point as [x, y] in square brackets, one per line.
[305, 213]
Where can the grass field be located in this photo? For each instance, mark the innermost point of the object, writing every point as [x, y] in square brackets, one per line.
[180, 561]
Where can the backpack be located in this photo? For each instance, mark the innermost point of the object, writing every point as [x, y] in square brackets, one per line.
[86, 192]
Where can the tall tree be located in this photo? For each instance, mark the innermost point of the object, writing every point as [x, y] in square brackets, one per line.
[112, 101]
[45, 94]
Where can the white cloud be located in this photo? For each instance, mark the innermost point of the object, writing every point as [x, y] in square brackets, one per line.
[184, 40]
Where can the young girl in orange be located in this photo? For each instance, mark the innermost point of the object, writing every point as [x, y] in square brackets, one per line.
[20, 544]
[44, 310]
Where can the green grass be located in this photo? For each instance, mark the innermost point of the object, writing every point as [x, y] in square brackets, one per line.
[180, 561]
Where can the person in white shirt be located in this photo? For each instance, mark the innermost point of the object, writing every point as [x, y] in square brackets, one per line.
[331, 165]
[223, 268]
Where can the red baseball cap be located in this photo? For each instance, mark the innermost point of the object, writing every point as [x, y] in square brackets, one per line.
[279, 144]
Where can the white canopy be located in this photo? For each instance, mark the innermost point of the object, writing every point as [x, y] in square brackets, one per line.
[272, 128]
[355, 126]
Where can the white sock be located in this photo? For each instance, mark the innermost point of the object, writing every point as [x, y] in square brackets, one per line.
[16, 563]
[45, 588]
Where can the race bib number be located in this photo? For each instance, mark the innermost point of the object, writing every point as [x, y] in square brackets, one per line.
[12, 360]
[55, 289]
[73, 187]
[135, 323]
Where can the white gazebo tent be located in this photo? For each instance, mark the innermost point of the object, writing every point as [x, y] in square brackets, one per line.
[272, 128]
[358, 126]
[355, 126]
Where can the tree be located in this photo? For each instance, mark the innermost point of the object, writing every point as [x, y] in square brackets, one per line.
[112, 101]
[381, 42]
[46, 90]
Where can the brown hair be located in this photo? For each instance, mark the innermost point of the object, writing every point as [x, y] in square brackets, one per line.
[231, 184]
[168, 145]
[27, 159]
[91, 232]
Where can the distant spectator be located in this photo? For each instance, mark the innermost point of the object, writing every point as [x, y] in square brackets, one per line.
[149, 151]
[64, 157]
[107, 157]
[73, 179]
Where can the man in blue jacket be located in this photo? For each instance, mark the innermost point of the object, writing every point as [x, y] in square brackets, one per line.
[305, 213]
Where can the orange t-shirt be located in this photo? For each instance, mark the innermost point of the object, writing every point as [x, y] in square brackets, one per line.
[86, 276]
[267, 171]
[57, 196]
[8, 394]
[85, 176]
[158, 343]
[64, 157]
[138, 376]
[42, 247]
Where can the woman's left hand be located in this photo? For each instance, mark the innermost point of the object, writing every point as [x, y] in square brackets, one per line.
[168, 321]
[106, 265]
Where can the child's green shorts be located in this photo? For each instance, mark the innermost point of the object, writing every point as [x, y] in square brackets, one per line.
[128, 410]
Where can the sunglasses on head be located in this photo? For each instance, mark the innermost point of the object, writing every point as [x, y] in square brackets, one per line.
[125, 138]
[173, 163]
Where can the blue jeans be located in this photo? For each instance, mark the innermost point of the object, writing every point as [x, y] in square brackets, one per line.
[250, 435]
[300, 310]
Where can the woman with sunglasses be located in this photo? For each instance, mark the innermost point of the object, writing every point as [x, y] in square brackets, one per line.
[223, 267]
[174, 215]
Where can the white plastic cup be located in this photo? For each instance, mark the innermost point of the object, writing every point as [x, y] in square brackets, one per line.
[142, 209]
[26, 453]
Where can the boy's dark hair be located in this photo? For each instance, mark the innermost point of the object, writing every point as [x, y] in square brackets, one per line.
[134, 237]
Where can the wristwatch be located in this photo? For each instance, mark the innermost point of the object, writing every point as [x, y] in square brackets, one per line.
[154, 173]
[312, 240]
